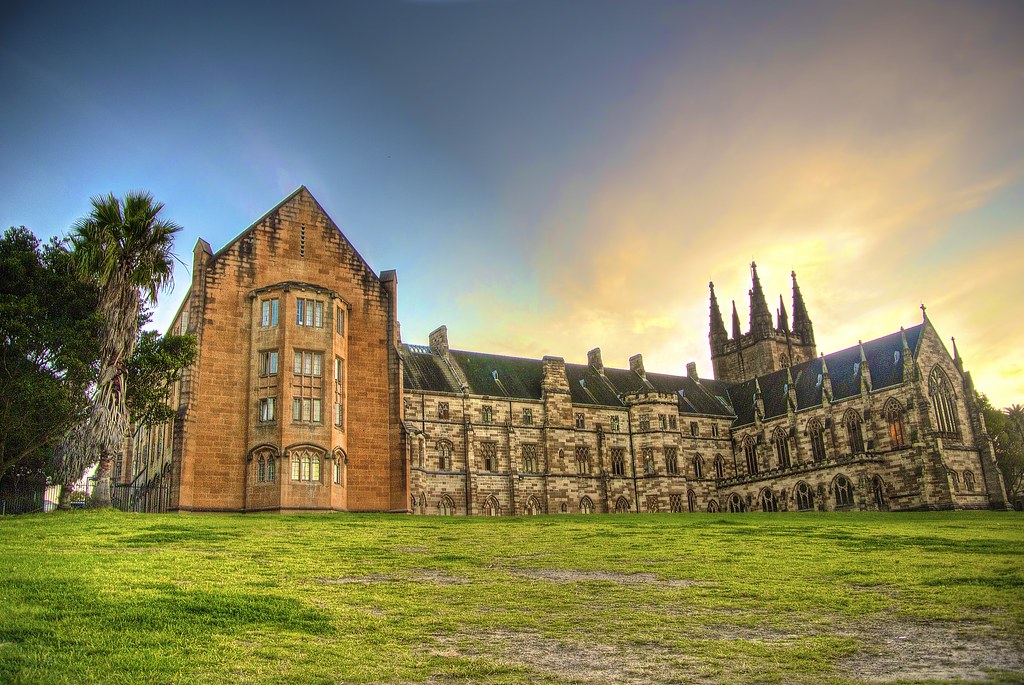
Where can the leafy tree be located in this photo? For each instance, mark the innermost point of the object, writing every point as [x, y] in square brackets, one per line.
[1007, 430]
[124, 249]
[48, 349]
[155, 366]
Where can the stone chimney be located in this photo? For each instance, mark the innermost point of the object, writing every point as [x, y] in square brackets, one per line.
[554, 379]
[594, 360]
[636, 365]
[438, 341]
[691, 370]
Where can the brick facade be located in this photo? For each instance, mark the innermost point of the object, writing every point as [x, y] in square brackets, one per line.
[303, 398]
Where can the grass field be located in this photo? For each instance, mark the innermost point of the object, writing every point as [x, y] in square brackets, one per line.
[110, 597]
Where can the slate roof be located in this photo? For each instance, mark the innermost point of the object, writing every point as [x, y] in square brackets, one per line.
[885, 361]
[517, 378]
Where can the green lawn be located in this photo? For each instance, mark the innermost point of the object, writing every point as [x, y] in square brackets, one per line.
[111, 597]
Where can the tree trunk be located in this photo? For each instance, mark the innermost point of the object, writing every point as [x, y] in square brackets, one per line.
[101, 493]
[64, 502]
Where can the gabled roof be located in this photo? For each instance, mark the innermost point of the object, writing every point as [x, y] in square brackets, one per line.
[291, 196]
[517, 378]
[885, 360]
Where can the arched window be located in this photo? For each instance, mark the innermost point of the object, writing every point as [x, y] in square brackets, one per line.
[750, 452]
[804, 497]
[648, 456]
[894, 417]
[532, 506]
[854, 436]
[306, 465]
[817, 434]
[564, 507]
[444, 455]
[271, 469]
[446, 506]
[622, 505]
[768, 500]
[878, 493]
[955, 477]
[586, 506]
[780, 440]
[691, 501]
[969, 481]
[698, 467]
[842, 490]
[337, 470]
[719, 467]
[582, 459]
[491, 507]
[713, 507]
[261, 469]
[736, 503]
[943, 399]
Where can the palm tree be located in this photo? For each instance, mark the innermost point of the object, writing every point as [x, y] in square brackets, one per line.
[125, 249]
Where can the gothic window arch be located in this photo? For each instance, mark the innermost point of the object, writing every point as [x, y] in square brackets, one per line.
[261, 469]
[586, 505]
[804, 497]
[582, 459]
[842, 490]
[768, 500]
[895, 418]
[446, 506]
[305, 465]
[817, 433]
[444, 455]
[691, 501]
[736, 503]
[969, 480]
[878, 493]
[532, 506]
[750, 452]
[491, 507]
[698, 467]
[854, 432]
[719, 467]
[622, 505]
[780, 441]
[713, 507]
[955, 477]
[943, 399]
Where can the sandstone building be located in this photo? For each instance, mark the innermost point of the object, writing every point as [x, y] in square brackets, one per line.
[303, 397]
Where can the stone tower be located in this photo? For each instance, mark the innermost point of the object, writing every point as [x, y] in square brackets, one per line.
[768, 345]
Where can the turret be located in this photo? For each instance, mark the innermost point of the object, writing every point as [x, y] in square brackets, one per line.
[736, 333]
[801, 322]
[760, 315]
[908, 357]
[718, 336]
[957, 361]
[826, 383]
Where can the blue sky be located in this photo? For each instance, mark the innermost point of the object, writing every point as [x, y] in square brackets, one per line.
[548, 177]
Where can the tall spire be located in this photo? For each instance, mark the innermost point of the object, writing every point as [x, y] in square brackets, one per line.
[957, 361]
[717, 325]
[783, 316]
[801, 322]
[865, 370]
[736, 334]
[908, 357]
[760, 315]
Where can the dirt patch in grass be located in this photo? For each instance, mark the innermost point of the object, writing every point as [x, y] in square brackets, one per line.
[890, 651]
[573, 662]
[439, 577]
[896, 650]
[572, 576]
[346, 580]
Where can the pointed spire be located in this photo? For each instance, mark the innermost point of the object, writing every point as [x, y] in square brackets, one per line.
[790, 390]
[783, 316]
[760, 315]
[826, 382]
[736, 334]
[865, 370]
[957, 361]
[801, 322]
[908, 357]
[758, 400]
[717, 324]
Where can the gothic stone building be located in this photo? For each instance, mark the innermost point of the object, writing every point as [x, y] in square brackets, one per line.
[303, 397]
